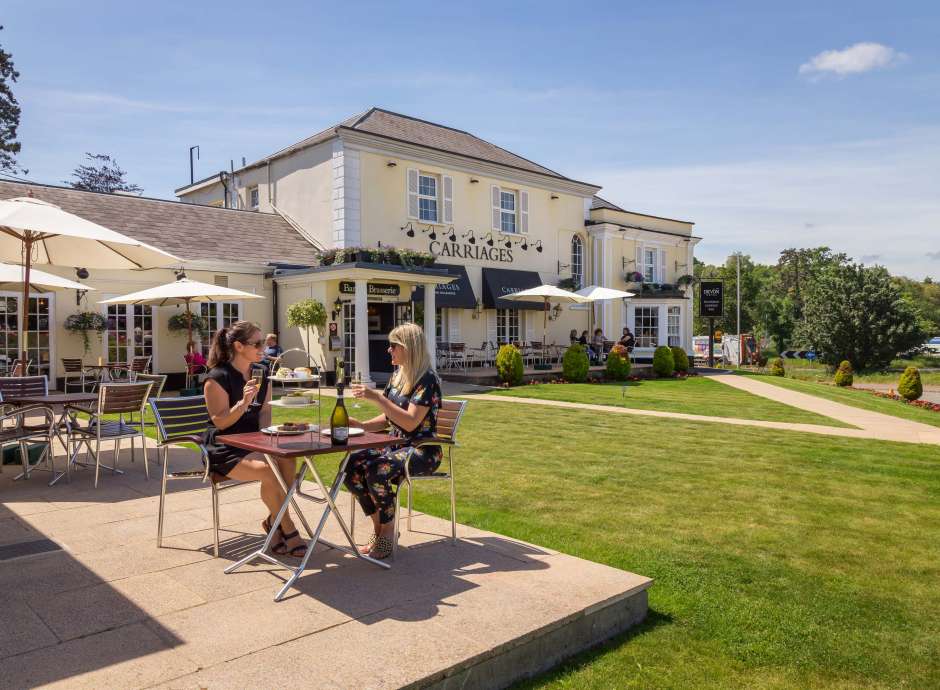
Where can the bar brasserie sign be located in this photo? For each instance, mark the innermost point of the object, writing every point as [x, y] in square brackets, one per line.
[348, 287]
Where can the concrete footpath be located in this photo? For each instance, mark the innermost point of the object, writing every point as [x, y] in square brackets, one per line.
[870, 425]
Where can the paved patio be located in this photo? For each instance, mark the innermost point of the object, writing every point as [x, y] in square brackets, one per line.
[107, 608]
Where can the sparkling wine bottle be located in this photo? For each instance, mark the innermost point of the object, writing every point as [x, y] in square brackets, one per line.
[339, 420]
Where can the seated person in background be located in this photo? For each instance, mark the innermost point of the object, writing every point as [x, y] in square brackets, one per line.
[573, 336]
[271, 349]
[583, 339]
[628, 340]
[194, 358]
[597, 343]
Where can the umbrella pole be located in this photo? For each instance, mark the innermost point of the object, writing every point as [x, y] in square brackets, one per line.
[544, 326]
[21, 341]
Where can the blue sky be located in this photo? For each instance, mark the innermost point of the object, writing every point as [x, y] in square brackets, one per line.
[768, 124]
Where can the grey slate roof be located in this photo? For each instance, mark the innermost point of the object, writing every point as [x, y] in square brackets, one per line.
[189, 231]
[597, 202]
[384, 123]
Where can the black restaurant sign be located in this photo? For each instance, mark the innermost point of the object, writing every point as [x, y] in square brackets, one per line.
[348, 287]
[711, 294]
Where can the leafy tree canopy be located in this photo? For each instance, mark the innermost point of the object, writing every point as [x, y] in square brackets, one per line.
[101, 173]
[9, 115]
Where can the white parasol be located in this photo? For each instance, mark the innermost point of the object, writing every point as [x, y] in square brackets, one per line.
[548, 293]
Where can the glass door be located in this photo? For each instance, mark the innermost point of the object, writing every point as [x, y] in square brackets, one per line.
[218, 315]
[38, 336]
[349, 336]
[130, 333]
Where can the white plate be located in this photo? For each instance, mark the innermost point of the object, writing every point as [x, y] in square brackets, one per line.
[295, 378]
[296, 399]
[355, 431]
[272, 430]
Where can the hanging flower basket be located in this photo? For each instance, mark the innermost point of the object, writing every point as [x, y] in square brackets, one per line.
[685, 280]
[86, 322]
[179, 323]
[633, 277]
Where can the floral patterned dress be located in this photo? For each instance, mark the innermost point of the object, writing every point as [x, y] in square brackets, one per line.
[371, 474]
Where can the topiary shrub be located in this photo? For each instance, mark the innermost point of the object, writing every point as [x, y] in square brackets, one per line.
[776, 367]
[574, 365]
[844, 374]
[618, 363]
[509, 365]
[909, 386]
[663, 363]
[681, 359]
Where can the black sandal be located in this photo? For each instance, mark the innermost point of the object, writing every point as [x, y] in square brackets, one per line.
[293, 553]
[266, 527]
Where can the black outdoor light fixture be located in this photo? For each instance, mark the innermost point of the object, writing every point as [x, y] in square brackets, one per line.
[453, 234]
[525, 245]
[509, 243]
[337, 308]
[429, 231]
[410, 229]
[82, 273]
[489, 239]
[180, 274]
[538, 246]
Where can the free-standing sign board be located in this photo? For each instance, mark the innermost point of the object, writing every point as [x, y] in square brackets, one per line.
[711, 302]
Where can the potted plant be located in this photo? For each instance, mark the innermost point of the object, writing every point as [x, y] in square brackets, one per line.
[568, 284]
[307, 315]
[685, 280]
[327, 257]
[84, 322]
[633, 277]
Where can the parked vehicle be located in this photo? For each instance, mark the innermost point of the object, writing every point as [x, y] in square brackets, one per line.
[933, 345]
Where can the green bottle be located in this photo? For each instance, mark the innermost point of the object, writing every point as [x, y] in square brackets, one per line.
[339, 420]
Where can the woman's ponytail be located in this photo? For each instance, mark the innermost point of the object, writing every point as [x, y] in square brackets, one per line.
[219, 352]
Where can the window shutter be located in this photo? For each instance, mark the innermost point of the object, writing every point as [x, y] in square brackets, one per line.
[453, 325]
[491, 325]
[662, 266]
[530, 326]
[412, 192]
[496, 208]
[448, 185]
[523, 211]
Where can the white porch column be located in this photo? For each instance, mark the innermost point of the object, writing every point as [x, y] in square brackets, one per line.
[362, 332]
[430, 327]
[605, 267]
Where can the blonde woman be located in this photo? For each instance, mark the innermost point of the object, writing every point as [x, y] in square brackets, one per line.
[409, 404]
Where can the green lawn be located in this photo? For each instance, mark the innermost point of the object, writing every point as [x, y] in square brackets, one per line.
[808, 371]
[780, 559]
[855, 398]
[696, 395]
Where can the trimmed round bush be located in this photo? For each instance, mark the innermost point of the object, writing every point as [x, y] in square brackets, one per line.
[680, 358]
[509, 365]
[844, 374]
[663, 363]
[776, 367]
[574, 365]
[909, 386]
[618, 363]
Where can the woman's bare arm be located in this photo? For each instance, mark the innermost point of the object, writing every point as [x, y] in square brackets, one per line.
[220, 413]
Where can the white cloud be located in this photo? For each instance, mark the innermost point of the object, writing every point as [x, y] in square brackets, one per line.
[856, 59]
[871, 198]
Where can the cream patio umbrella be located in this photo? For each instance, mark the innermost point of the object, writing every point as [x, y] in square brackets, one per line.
[37, 232]
[548, 293]
[596, 293]
[12, 275]
[183, 291]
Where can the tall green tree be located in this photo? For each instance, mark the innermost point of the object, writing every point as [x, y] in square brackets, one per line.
[9, 115]
[857, 313]
[102, 173]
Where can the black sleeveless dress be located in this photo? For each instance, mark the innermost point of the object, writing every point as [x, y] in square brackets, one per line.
[223, 458]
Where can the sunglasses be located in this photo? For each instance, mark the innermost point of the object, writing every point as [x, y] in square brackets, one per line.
[255, 343]
[391, 344]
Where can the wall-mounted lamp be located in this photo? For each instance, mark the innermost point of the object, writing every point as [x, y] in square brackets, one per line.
[473, 180]
[477, 309]
[429, 231]
[538, 246]
[508, 243]
[471, 238]
[452, 236]
[337, 308]
[180, 274]
[489, 239]
[82, 273]
[561, 266]
[553, 197]
[525, 245]
[408, 229]
[678, 264]
[390, 164]
[554, 313]
[626, 262]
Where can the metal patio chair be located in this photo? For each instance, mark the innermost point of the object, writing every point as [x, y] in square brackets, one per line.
[195, 373]
[448, 421]
[18, 368]
[139, 365]
[113, 398]
[159, 381]
[77, 376]
[184, 420]
[22, 434]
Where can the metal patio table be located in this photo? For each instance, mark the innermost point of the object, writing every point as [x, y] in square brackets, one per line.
[306, 446]
[58, 401]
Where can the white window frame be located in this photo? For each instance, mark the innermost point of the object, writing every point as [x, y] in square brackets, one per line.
[577, 261]
[643, 322]
[131, 343]
[508, 213]
[254, 198]
[508, 321]
[674, 326]
[52, 325]
[219, 320]
[649, 268]
[349, 334]
[435, 198]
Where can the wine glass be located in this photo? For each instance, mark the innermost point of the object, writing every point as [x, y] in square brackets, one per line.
[257, 376]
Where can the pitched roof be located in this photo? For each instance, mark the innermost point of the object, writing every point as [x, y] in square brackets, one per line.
[412, 130]
[189, 231]
[597, 202]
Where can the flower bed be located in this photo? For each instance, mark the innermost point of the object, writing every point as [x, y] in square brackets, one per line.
[892, 395]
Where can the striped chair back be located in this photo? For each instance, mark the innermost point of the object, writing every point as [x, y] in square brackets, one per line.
[72, 366]
[114, 398]
[15, 386]
[180, 417]
[140, 363]
[158, 380]
[448, 418]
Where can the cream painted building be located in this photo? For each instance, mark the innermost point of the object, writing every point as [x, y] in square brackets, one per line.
[384, 179]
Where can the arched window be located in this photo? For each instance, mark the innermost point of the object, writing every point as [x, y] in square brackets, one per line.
[577, 262]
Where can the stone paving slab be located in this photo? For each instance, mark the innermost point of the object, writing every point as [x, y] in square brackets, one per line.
[113, 610]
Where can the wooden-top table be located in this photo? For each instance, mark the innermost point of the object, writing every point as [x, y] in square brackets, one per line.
[305, 446]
